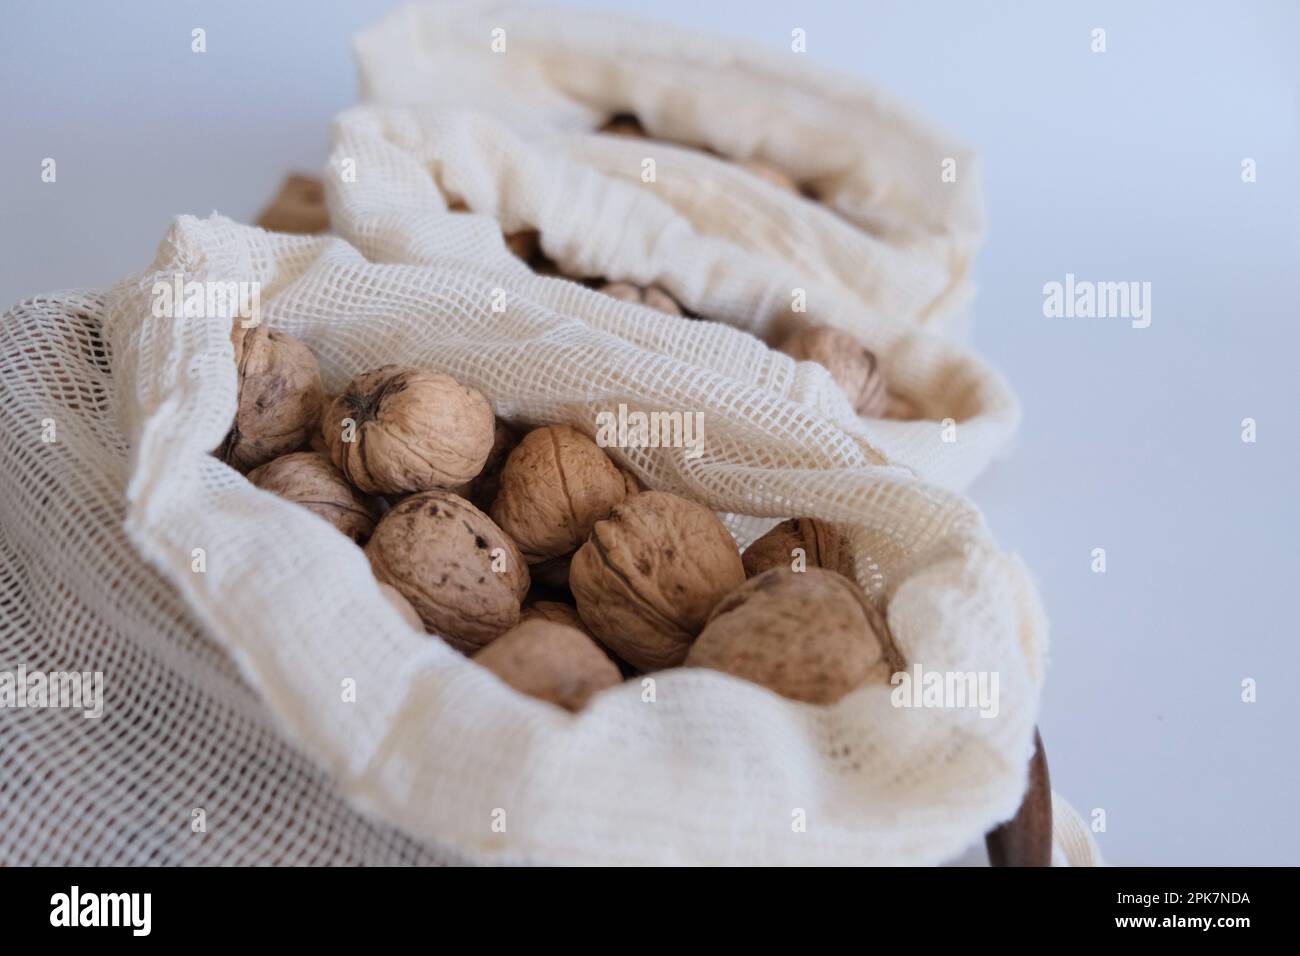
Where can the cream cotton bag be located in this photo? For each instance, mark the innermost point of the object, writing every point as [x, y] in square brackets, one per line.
[711, 770]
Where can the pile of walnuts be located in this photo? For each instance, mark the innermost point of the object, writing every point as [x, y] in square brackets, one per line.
[533, 552]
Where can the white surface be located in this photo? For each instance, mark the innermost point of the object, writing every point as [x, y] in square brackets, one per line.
[1116, 166]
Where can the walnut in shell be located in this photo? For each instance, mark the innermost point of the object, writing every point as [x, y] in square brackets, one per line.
[555, 485]
[280, 397]
[851, 364]
[649, 575]
[805, 542]
[810, 636]
[396, 430]
[651, 296]
[459, 571]
[550, 661]
[310, 479]
[554, 611]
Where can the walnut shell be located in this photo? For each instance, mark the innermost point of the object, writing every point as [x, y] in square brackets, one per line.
[412, 429]
[810, 636]
[560, 613]
[555, 612]
[551, 662]
[437, 550]
[651, 296]
[822, 544]
[555, 485]
[649, 575]
[310, 479]
[851, 364]
[280, 397]
[770, 174]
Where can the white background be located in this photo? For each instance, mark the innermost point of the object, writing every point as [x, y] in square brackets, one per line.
[1116, 166]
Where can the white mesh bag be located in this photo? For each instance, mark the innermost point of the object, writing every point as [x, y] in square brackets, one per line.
[714, 770]
[890, 228]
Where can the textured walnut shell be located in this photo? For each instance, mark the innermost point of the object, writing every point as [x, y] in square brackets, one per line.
[810, 636]
[651, 296]
[555, 485]
[851, 364]
[770, 174]
[437, 550]
[822, 545]
[280, 397]
[649, 575]
[311, 480]
[414, 430]
[551, 662]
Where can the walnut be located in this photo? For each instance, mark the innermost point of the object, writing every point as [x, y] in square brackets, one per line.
[770, 174]
[299, 207]
[560, 613]
[554, 611]
[460, 572]
[821, 544]
[650, 296]
[551, 662]
[649, 575]
[810, 636]
[398, 429]
[311, 480]
[279, 397]
[851, 364]
[394, 597]
[555, 485]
